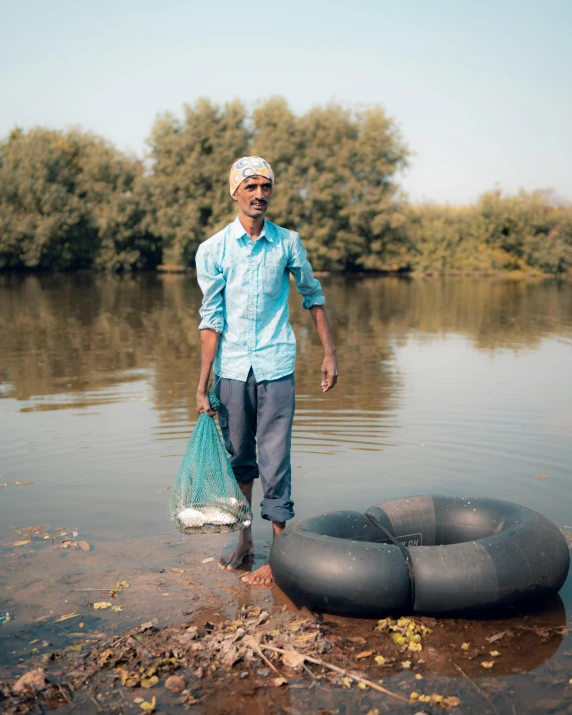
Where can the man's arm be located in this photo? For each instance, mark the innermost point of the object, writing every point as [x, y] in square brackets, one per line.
[330, 364]
[313, 300]
[209, 347]
[212, 284]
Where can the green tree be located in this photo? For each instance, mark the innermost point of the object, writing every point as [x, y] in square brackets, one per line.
[44, 223]
[335, 181]
[188, 185]
[71, 200]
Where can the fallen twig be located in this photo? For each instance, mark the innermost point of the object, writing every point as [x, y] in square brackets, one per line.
[341, 671]
[472, 682]
[64, 694]
[94, 701]
[257, 646]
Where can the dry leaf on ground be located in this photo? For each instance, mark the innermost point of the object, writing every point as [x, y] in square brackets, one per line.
[364, 654]
[175, 684]
[83, 545]
[65, 617]
[32, 680]
[102, 604]
[293, 660]
[487, 664]
[21, 543]
[149, 682]
[542, 476]
[24, 483]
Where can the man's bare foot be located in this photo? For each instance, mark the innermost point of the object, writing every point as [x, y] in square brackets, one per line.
[260, 577]
[243, 550]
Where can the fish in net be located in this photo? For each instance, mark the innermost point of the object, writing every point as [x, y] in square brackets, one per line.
[206, 497]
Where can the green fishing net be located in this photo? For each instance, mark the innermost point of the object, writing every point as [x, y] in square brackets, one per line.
[206, 497]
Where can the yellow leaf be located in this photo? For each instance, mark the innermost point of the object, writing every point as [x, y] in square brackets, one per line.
[494, 653]
[414, 696]
[364, 654]
[465, 646]
[148, 707]
[178, 570]
[373, 711]
[362, 686]
[101, 604]
[406, 664]
[358, 640]
[105, 655]
[24, 483]
[380, 660]
[415, 646]
[83, 545]
[124, 584]
[67, 615]
[21, 543]
[487, 664]
[117, 609]
[149, 682]
[347, 682]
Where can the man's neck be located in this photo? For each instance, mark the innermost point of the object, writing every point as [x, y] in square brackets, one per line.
[252, 226]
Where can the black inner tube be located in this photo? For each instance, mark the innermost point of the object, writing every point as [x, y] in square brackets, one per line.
[404, 550]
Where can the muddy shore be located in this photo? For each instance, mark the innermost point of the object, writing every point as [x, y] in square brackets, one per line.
[107, 630]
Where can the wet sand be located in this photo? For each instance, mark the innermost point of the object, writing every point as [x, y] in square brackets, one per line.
[172, 583]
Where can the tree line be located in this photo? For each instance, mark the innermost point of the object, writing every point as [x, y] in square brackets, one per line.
[71, 200]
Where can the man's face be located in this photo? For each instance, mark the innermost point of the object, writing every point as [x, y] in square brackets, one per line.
[253, 196]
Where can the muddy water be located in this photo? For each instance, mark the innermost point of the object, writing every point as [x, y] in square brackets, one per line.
[459, 386]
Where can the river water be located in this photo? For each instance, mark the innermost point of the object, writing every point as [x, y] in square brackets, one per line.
[450, 386]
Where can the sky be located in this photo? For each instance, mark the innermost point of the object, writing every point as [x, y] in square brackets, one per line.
[480, 90]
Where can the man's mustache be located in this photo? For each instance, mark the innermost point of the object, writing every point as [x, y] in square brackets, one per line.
[258, 202]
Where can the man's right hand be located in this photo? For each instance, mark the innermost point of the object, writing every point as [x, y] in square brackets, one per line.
[203, 403]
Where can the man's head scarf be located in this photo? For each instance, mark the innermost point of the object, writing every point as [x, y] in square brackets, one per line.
[246, 167]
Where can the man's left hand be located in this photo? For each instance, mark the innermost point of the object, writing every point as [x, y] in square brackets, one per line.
[329, 372]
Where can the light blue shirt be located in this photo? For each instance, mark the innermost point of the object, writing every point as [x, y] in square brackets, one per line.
[245, 287]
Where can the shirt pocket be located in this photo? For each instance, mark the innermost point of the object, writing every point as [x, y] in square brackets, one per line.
[273, 278]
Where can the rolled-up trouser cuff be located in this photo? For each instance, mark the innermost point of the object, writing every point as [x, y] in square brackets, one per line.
[245, 478]
[277, 509]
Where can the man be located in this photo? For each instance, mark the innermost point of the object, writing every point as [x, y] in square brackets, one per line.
[243, 272]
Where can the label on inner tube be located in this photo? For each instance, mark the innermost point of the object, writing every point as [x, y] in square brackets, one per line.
[410, 539]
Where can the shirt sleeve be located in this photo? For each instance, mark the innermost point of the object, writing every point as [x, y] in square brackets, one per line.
[212, 284]
[299, 266]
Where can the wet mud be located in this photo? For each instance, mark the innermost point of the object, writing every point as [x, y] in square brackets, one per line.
[163, 629]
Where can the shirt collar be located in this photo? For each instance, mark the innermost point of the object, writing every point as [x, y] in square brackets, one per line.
[237, 230]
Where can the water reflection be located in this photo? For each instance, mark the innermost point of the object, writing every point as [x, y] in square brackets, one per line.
[83, 336]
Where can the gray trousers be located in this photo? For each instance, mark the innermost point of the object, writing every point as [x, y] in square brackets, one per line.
[265, 410]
